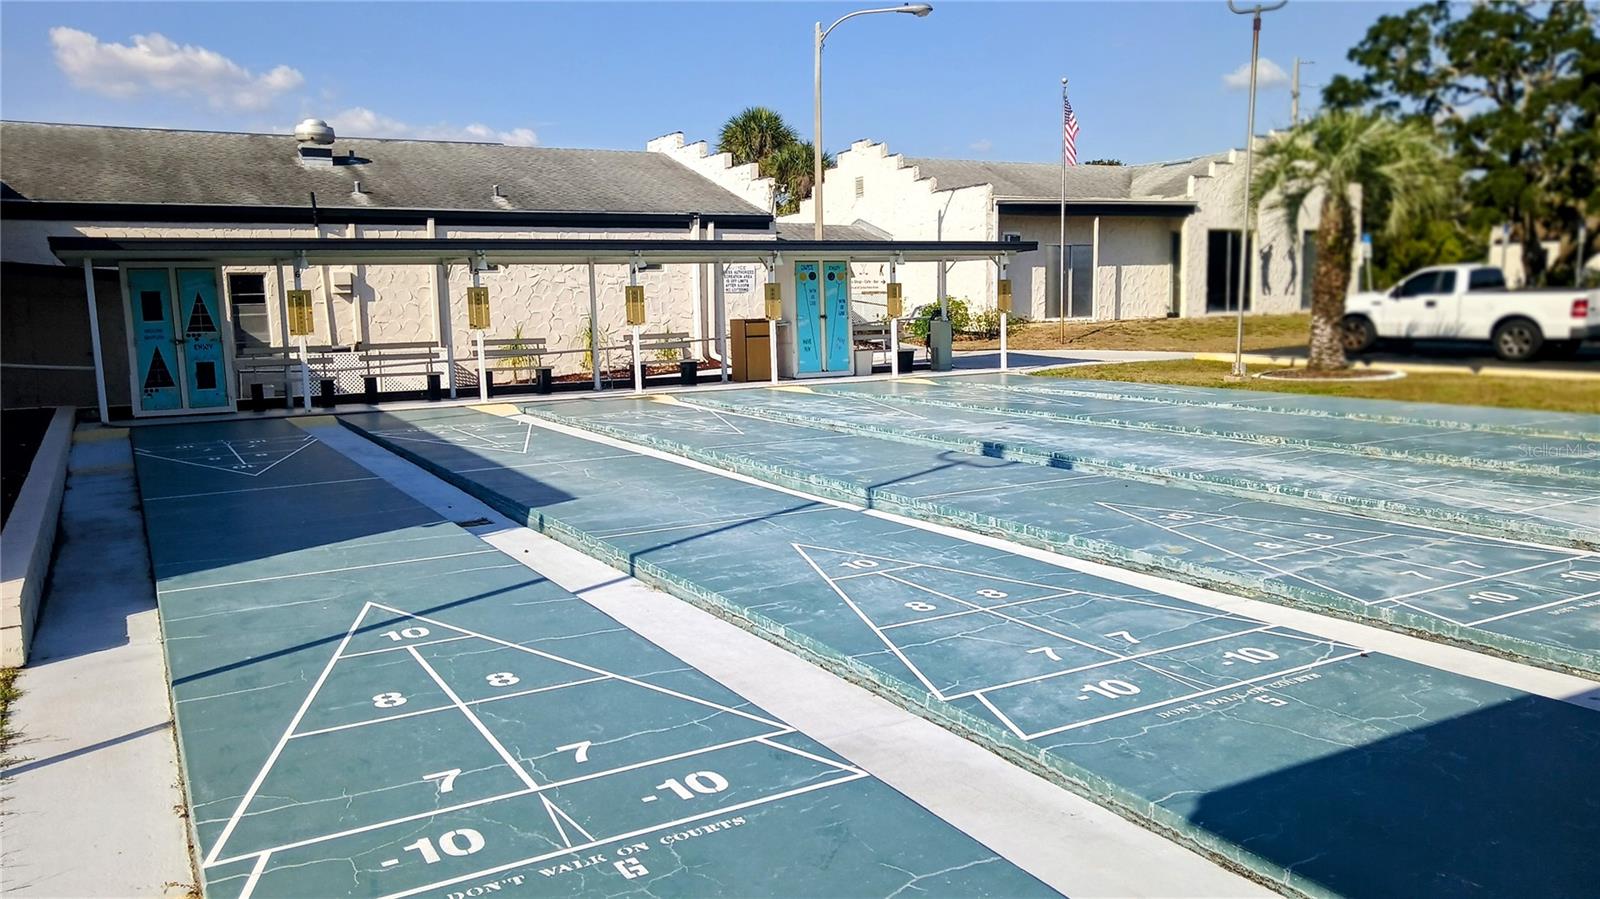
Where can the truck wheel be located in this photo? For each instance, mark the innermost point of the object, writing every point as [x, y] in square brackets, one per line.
[1517, 339]
[1357, 333]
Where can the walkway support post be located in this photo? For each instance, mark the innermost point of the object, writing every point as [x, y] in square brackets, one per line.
[594, 328]
[722, 319]
[772, 326]
[477, 335]
[305, 368]
[894, 328]
[638, 363]
[1005, 313]
[94, 341]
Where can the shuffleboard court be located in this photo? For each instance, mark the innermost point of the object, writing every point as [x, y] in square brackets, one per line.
[1549, 509]
[373, 702]
[1514, 422]
[1570, 457]
[1324, 768]
[1536, 604]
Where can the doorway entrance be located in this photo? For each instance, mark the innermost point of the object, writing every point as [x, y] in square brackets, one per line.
[1079, 293]
[176, 328]
[822, 317]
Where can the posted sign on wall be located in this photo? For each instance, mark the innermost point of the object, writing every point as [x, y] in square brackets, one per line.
[478, 308]
[740, 279]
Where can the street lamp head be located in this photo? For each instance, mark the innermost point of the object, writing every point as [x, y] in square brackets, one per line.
[917, 9]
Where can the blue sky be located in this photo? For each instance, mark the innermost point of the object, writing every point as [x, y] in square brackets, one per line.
[973, 80]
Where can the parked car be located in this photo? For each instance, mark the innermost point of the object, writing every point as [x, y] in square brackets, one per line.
[1471, 302]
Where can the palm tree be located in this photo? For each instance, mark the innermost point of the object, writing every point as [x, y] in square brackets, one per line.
[754, 135]
[791, 168]
[1400, 162]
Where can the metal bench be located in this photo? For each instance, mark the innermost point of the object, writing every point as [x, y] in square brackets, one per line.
[514, 348]
[668, 341]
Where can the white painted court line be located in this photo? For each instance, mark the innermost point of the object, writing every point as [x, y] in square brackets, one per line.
[585, 666]
[494, 742]
[277, 749]
[768, 741]
[1000, 716]
[1082, 668]
[280, 577]
[255, 875]
[964, 612]
[445, 708]
[154, 499]
[867, 620]
[1478, 579]
[373, 652]
[1559, 602]
[742, 519]
[253, 474]
[557, 816]
[1155, 705]
[625, 836]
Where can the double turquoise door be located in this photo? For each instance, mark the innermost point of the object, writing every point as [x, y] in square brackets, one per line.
[175, 319]
[822, 316]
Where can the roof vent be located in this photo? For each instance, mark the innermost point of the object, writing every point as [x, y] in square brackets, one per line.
[314, 131]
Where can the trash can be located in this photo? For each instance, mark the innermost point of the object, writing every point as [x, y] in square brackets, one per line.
[907, 359]
[939, 345]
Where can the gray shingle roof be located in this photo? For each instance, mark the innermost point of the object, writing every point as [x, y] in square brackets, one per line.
[1042, 180]
[89, 163]
[807, 231]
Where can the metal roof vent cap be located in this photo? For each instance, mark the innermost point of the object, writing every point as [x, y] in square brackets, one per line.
[313, 131]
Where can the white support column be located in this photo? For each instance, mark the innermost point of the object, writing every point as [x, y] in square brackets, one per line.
[363, 325]
[483, 370]
[722, 319]
[1003, 316]
[283, 330]
[594, 328]
[1094, 273]
[444, 334]
[94, 341]
[894, 334]
[944, 303]
[305, 367]
[638, 363]
[772, 326]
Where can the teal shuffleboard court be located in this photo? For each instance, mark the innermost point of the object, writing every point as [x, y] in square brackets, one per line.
[1571, 457]
[1515, 422]
[1318, 766]
[1550, 509]
[373, 702]
[1536, 604]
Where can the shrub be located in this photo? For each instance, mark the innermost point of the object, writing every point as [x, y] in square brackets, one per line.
[960, 318]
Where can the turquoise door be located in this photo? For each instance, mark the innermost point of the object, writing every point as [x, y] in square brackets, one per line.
[836, 304]
[154, 338]
[808, 317]
[203, 361]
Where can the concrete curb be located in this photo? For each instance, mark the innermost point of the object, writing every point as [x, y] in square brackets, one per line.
[30, 538]
[1488, 371]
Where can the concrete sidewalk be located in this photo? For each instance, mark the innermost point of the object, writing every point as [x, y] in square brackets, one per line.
[93, 805]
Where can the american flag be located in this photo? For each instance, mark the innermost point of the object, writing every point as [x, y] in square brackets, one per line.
[1069, 131]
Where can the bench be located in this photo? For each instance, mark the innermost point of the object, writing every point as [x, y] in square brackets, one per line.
[672, 341]
[519, 348]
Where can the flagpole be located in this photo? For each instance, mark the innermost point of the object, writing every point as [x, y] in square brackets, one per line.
[1061, 255]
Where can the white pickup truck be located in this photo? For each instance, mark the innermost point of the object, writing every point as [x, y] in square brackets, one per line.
[1471, 302]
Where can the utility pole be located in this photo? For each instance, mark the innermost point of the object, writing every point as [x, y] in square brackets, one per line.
[1294, 91]
[1249, 162]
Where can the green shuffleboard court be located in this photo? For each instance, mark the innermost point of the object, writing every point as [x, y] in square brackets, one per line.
[1548, 508]
[1513, 422]
[373, 702]
[1575, 457]
[1537, 604]
[1316, 765]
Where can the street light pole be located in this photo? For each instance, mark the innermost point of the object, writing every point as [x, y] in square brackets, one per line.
[1249, 160]
[917, 9]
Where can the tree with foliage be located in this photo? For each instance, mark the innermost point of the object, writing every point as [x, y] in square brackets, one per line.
[761, 136]
[754, 134]
[1400, 162]
[1104, 162]
[1515, 87]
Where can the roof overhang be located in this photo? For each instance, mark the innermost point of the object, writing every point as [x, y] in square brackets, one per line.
[1151, 208]
[536, 251]
[79, 211]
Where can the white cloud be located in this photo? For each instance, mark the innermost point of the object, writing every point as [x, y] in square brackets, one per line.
[153, 62]
[359, 121]
[1268, 75]
[981, 145]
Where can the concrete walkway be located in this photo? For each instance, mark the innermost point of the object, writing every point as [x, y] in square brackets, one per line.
[92, 802]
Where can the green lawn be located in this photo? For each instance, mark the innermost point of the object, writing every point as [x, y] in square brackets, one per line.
[8, 693]
[1210, 334]
[1461, 389]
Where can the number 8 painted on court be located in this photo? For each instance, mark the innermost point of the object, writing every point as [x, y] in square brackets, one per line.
[502, 679]
[388, 700]
[991, 593]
